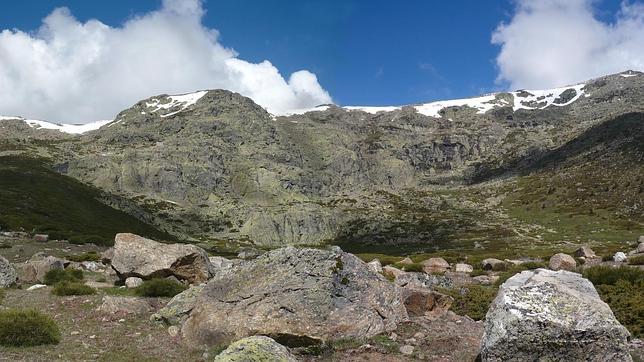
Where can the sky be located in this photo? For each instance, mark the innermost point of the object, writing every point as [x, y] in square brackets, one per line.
[79, 61]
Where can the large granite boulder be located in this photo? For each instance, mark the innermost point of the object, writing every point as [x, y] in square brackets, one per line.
[256, 348]
[549, 315]
[136, 256]
[34, 269]
[8, 274]
[177, 310]
[303, 294]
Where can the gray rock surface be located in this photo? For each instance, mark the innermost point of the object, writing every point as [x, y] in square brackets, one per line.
[133, 282]
[34, 270]
[435, 265]
[124, 305]
[585, 252]
[491, 263]
[135, 256]
[422, 281]
[304, 293]
[562, 261]
[620, 257]
[255, 348]
[549, 315]
[8, 274]
[179, 307]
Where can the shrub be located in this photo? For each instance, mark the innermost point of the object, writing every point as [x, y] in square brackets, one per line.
[606, 275]
[27, 328]
[89, 256]
[5, 245]
[72, 288]
[500, 267]
[607, 258]
[636, 260]
[2, 294]
[531, 265]
[473, 301]
[58, 275]
[160, 288]
[626, 299]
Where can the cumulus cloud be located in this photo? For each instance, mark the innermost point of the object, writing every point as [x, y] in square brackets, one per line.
[79, 72]
[550, 43]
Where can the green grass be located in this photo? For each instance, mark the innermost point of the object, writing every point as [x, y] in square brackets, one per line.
[65, 288]
[59, 275]
[2, 294]
[606, 275]
[636, 260]
[473, 301]
[160, 288]
[26, 328]
[34, 197]
[414, 267]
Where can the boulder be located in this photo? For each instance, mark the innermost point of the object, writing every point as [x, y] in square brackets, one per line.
[423, 302]
[585, 252]
[391, 271]
[406, 261]
[491, 264]
[422, 281]
[640, 247]
[125, 305]
[255, 348]
[435, 265]
[41, 238]
[305, 294]
[107, 255]
[177, 310]
[8, 275]
[220, 264]
[562, 261]
[34, 270]
[619, 257]
[463, 268]
[550, 315]
[135, 256]
[91, 266]
[133, 282]
[486, 279]
[375, 266]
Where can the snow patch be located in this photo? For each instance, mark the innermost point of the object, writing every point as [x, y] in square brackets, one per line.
[545, 98]
[67, 128]
[306, 110]
[628, 75]
[182, 100]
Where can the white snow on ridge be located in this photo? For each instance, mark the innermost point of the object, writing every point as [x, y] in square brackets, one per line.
[67, 128]
[628, 75]
[548, 96]
[482, 104]
[306, 110]
[182, 100]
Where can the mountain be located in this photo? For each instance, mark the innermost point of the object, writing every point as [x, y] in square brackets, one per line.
[524, 169]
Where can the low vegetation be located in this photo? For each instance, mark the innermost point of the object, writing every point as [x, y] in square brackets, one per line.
[414, 267]
[160, 288]
[63, 275]
[89, 256]
[473, 301]
[623, 290]
[65, 288]
[636, 260]
[25, 328]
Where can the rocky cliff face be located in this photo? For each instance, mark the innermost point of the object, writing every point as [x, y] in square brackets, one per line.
[216, 166]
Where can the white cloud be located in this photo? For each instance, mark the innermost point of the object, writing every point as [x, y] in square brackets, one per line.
[550, 43]
[79, 72]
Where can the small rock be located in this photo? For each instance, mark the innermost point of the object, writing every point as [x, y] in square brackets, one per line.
[41, 238]
[91, 266]
[406, 261]
[173, 331]
[74, 333]
[92, 336]
[491, 263]
[125, 305]
[375, 266]
[562, 261]
[407, 350]
[390, 270]
[393, 336]
[619, 257]
[435, 265]
[585, 252]
[36, 286]
[486, 279]
[419, 335]
[256, 348]
[640, 247]
[133, 282]
[463, 268]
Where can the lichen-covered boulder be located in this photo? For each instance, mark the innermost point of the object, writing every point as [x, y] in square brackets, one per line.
[177, 310]
[8, 274]
[562, 261]
[544, 315]
[309, 294]
[255, 349]
[136, 256]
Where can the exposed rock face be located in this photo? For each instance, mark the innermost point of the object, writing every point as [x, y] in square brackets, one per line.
[177, 310]
[375, 266]
[256, 348]
[421, 302]
[304, 293]
[562, 261]
[547, 315]
[34, 270]
[8, 274]
[422, 281]
[135, 256]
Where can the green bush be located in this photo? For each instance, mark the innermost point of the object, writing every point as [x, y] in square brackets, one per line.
[58, 275]
[72, 288]
[89, 256]
[531, 265]
[636, 260]
[415, 267]
[606, 275]
[160, 288]
[626, 299]
[27, 328]
[473, 301]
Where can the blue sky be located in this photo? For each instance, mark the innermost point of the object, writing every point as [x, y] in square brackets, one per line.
[372, 52]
